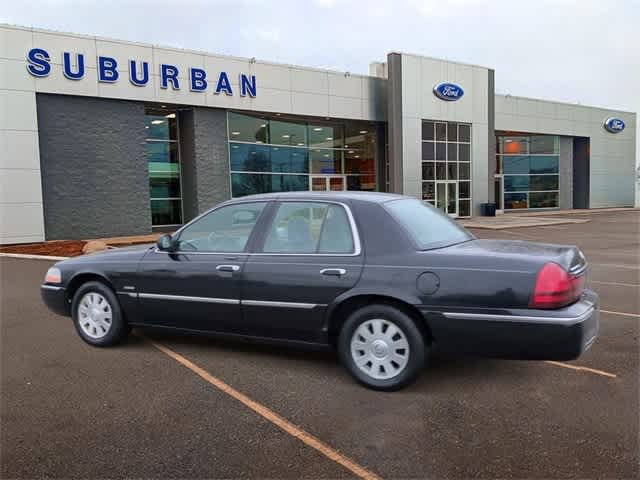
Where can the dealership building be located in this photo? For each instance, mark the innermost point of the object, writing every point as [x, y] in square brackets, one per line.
[102, 137]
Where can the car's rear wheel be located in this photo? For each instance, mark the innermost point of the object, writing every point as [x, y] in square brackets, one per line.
[97, 315]
[382, 347]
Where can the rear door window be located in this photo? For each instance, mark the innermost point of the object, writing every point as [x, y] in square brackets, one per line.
[310, 227]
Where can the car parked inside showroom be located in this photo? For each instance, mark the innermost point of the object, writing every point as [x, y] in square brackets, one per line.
[382, 278]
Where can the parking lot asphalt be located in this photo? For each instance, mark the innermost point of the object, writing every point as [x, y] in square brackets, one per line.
[70, 410]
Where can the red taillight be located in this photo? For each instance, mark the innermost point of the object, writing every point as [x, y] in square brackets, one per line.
[555, 287]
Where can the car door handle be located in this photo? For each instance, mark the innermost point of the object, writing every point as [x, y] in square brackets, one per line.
[336, 272]
[228, 268]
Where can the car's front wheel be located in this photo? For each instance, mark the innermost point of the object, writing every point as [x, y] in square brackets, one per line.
[97, 315]
[382, 347]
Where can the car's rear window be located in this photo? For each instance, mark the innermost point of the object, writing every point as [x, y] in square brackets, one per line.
[427, 226]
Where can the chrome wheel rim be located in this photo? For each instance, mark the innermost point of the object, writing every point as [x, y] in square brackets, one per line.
[94, 315]
[380, 349]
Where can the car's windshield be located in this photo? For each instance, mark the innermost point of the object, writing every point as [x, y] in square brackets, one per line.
[427, 226]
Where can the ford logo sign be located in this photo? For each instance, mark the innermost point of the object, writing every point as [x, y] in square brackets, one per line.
[614, 125]
[448, 91]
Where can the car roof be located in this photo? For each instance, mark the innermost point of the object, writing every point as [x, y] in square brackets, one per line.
[372, 197]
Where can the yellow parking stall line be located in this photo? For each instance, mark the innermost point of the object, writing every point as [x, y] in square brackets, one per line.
[553, 227]
[616, 265]
[270, 415]
[624, 314]
[517, 234]
[582, 369]
[617, 284]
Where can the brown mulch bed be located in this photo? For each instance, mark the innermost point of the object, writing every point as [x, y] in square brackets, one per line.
[56, 248]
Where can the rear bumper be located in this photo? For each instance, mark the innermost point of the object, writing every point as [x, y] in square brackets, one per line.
[562, 334]
[55, 298]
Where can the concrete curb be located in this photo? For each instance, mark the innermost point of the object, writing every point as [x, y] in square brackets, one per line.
[507, 226]
[582, 211]
[25, 256]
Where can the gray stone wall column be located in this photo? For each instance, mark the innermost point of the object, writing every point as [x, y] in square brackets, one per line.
[95, 179]
[205, 159]
[188, 171]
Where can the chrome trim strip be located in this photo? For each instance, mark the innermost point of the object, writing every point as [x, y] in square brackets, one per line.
[185, 252]
[264, 303]
[157, 296]
[521, 319]
[229, 301]
[52, 287]
[589, 343]
[129, 294]
[579, 269]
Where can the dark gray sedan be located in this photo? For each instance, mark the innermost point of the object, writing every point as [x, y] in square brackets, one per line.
[380, 277]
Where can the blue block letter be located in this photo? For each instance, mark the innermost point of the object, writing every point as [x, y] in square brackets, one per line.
[68, 71]
[247, 85]
[107, 69]
[133, 73]
[39, 65]
[169, 73]
[198, 82]
[224, 84]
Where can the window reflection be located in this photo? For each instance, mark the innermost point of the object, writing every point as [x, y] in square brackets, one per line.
[361, 182]
[515, 200]
[250, 183]
[325, 161]
[515, 164]
[544, 144]
[162, 152]
[288, 133]
[325, 136]
[261, 144]
[250, 158]
[544, 164]
[289, 160]
[543, 199]
[446, 157]
[530, 165]
[166, 212]
[162, 126]
[245, 128]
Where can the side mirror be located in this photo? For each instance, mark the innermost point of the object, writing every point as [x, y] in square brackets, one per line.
[165, 243]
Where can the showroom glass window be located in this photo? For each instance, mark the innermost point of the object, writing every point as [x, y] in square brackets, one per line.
[446, 166]
[530, 168]
[278, 154]
[163, 159]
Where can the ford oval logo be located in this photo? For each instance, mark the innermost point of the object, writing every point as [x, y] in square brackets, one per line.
[614, 125]
[448, 91]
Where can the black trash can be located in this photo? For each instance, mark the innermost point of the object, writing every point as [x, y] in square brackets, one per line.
[488, 209]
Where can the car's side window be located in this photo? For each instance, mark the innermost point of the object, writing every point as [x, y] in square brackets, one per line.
[224, 230]
[309, 227]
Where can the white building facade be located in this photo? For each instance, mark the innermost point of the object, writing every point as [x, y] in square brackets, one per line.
[102, 137]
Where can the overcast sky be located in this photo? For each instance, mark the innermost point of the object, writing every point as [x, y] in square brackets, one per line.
[585, 51]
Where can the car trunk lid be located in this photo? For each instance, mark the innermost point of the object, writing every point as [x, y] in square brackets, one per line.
[568, 257]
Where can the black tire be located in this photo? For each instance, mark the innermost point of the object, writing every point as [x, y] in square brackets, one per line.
[398, 377]
[117, 330]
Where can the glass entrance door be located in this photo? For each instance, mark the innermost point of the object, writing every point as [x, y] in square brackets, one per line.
[447, 197]
[326, 183]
